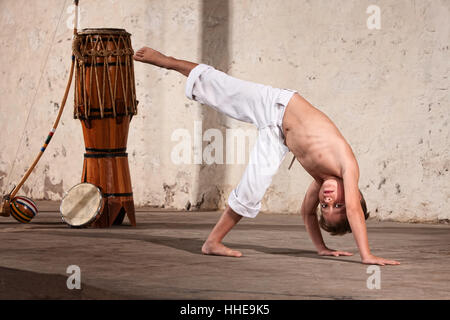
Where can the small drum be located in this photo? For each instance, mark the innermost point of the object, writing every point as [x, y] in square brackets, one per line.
[23, 209]
[82, 205]
[105, 103]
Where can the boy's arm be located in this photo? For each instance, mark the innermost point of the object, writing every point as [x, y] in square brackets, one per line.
[356, 218]
[308, 211]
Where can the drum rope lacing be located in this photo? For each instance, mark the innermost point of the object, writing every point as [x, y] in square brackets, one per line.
[83, 53]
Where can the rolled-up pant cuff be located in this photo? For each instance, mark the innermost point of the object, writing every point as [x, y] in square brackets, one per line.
[240, 208]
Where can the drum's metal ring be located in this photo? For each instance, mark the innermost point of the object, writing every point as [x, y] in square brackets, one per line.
[102, 31]
[105, 155]
[109, 195]
[106, 116]
[107, 109]
[94, 217]
[106, 150]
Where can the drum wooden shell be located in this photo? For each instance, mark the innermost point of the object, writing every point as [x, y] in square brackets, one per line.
[105, 102]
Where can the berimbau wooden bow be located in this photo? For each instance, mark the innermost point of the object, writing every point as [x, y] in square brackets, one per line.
[5, 209]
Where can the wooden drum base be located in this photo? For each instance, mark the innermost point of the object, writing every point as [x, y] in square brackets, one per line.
[110, 172]
[114, 213]
[106, 166]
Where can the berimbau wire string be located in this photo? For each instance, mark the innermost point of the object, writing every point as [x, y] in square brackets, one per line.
[50, 135]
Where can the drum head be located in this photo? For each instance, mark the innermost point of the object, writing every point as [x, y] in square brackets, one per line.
[81, 205]
[103, 31]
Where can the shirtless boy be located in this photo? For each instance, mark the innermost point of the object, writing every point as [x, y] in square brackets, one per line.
[285, 122]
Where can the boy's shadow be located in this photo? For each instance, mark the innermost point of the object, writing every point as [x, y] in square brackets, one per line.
[194, 245]
[288, 252]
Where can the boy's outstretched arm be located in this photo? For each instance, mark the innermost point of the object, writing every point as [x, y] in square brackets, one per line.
[355, 216]
[308, 211]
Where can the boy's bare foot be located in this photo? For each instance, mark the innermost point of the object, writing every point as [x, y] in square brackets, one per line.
[218, 249]
[151, 56]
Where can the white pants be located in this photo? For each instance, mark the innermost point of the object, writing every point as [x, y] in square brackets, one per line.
[261, 105]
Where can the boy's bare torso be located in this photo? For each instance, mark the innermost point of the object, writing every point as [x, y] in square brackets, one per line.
[315, 141]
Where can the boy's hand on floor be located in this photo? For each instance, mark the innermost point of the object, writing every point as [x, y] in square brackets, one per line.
[335, 253]
[371, 259]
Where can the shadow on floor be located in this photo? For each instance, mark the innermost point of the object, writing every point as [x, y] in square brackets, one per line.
[18, 284]
[193, 245]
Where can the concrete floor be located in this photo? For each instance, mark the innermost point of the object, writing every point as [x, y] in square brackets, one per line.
[161, 259]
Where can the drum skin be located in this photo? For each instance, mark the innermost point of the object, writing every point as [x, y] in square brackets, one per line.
[105, 102]
[23, 209]
[81, 205]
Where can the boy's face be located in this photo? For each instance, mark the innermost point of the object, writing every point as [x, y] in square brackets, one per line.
[332, 200]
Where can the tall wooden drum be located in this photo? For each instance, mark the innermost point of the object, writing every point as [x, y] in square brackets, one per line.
[105, 102]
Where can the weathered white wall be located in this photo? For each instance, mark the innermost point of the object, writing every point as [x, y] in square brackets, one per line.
[387, 90]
